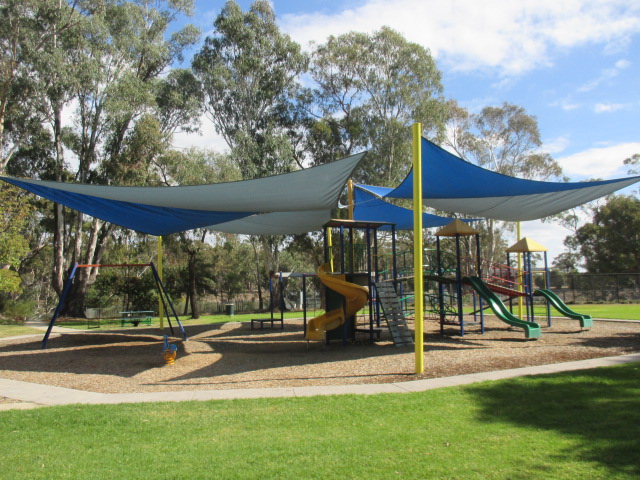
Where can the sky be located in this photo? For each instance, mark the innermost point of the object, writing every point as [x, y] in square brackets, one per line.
[573, 64]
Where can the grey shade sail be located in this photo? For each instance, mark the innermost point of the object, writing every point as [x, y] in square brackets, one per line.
[165, 210]
[276, 223]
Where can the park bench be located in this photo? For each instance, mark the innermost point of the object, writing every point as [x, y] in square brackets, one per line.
[262, 321]
[136, 317]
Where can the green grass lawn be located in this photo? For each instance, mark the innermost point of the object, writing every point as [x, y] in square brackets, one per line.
[15, 330]
[185, 320]
[574, 425]
[621, 311]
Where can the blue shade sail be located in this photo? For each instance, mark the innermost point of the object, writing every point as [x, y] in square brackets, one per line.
[451, 184]
[369, 208]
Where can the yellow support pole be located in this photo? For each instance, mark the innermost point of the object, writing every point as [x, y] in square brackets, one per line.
[350, 198]
[350, 202]
[330, 247]
[520, 273]
[160, 304]
[417, 246]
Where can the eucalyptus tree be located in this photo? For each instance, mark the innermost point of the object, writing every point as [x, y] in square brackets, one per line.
[370, 89]
[249, 71]
[14, 219]
[192, 167]
[504, 139]
[31, 34]
[115, 137]
[610, 243]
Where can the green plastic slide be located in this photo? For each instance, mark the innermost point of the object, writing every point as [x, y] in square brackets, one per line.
[585, 320]
[531, 329]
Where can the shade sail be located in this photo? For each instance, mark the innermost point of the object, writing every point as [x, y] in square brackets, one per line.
[277, 223]
[308, 195]
[451, 184]
[372, 209]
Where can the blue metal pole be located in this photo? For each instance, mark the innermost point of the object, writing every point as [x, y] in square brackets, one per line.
[547, 284]
[65, 291]
[304, 301]
[459, 285]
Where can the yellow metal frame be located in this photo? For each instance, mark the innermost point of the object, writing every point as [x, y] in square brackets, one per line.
[520, 274]
[417, 247]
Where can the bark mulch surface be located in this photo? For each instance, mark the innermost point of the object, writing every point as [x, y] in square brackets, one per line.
[231, 356]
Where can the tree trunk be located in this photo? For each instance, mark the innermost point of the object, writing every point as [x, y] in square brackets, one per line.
[256, 256]
[192, 285]
[75, 302]
[185, 312]
[57, 278]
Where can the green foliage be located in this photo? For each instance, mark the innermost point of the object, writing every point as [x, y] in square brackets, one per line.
[507, 140]
[14, 212]
[567, 262]
[130, 288]
[180, 99]
[15, 312]
[611, 242]
[504, 139]
[233, 267]
[249, 71]
[371, 88]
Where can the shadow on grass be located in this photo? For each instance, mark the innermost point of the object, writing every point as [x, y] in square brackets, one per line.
[599, 407]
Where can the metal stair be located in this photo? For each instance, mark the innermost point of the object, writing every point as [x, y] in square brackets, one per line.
[392, 312]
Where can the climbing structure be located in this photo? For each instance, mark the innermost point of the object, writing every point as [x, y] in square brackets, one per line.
[351, 267]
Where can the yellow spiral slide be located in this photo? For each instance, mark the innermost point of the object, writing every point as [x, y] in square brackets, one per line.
[355, 297]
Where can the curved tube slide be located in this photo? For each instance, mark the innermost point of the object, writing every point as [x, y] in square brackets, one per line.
[355, 297]
[531, 329]
[585, 320]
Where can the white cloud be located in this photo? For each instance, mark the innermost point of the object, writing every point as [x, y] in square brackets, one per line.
[609, 107]
[512, 37]
[622, 64]
[603, 162]
[605, 75]
[548, 234]
[208, 138]
[556, 145]
[565, 104]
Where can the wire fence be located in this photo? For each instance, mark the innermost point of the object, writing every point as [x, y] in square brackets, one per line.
[596, 287]
[572, 288]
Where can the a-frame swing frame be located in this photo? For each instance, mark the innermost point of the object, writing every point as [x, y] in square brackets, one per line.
[166, 302]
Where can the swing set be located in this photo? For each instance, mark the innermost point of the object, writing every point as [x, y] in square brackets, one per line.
[162, 293]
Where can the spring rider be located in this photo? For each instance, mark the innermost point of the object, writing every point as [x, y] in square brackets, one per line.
[169, 351]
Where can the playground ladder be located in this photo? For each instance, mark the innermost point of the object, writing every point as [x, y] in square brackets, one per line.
[392, 312]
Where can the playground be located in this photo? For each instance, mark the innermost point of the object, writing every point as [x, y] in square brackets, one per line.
[342, 346]
[231, 356]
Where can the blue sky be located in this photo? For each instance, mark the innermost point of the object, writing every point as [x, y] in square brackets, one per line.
[574, 64]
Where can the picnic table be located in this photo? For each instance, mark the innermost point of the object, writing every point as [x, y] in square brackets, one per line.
[136, 317]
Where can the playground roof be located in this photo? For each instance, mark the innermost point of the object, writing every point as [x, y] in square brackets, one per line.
[456, 227]
[296, 202]
[525, 245]
[370, 208]
[455, 185]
